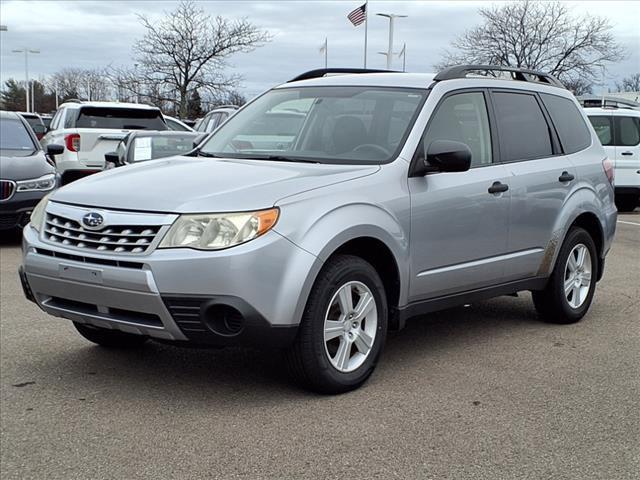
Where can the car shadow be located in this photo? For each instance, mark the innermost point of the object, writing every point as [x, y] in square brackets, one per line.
[259, 377]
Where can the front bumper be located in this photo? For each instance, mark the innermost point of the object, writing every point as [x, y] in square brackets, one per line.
[174, 294]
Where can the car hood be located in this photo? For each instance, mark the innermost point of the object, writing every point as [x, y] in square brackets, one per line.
[198, 185]
[15, 167]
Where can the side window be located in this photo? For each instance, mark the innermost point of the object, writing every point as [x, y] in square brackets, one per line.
[603, 128]
[56, 119]
[70, 118]
[524, 133]
[463, 118]
[628, 131]
[573, 132]
[213, 122]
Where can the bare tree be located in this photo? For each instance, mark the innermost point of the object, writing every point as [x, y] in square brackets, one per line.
[189, 50]
[80, 83]
[630, 83]
[539, 35]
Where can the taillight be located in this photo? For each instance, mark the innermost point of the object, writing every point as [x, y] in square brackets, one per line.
[72, 142]
[607, 164]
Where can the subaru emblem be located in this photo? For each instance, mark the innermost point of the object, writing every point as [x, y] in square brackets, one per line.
[92, 220]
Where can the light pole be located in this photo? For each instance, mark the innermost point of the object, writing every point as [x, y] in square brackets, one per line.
[26, 52]
[389, 53]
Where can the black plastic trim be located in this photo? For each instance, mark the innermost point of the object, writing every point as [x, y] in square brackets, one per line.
[321, 72]
[188, 313]
[429, 305]
[520, 74]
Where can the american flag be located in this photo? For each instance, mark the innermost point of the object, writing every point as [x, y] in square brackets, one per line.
[359, 15]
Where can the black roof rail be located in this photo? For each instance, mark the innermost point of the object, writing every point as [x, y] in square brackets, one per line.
[321, 72]
[522, 74]
[73, 100]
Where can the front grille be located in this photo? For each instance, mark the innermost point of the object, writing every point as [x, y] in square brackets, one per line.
[7, 187]
[115, 238]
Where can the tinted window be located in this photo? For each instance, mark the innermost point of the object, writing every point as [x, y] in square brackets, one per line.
[603, 128]
[69, 117]
[14, 136]
[120, 119]
[573, 132]
[56, 119]
[524, 133]
[463, 118]
[628, 131]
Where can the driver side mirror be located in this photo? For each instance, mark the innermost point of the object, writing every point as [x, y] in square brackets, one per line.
[444, 156]
[54, 149]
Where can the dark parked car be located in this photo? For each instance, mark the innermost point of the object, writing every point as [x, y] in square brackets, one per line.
[26, 173]
[140, 146]
[35, 122]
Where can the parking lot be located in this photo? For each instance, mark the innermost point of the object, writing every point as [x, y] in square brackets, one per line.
[480, 392]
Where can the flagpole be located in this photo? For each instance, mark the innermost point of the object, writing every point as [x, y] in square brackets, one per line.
[366, 27]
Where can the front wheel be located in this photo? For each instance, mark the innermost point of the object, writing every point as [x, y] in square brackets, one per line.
[572, 284]
[109, 338]
[343, 328]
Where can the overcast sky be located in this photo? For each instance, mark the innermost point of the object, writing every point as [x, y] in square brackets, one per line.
[92, 34]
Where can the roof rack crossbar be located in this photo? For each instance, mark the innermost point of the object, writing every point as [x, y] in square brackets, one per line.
[321, 72]
[521, 74]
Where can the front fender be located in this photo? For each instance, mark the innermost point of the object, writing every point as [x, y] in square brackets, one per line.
[322, 235]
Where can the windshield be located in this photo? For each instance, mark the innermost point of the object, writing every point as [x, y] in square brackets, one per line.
[321, 124]
[120, 118]
[14, 136]
[148, 148]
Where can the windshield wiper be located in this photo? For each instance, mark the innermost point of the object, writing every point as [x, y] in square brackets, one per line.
[200, 153]
[278, 158]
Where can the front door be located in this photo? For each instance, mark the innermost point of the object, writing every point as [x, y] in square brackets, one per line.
[458, 228]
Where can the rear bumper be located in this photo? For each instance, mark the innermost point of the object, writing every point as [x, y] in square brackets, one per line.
[245, 295]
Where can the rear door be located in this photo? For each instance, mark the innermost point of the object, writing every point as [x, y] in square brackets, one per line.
[627, 150]
[458, 228]
[541, 175]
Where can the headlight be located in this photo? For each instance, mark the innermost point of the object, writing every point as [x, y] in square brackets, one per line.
[37, 215]
[42, 184]
[215, 231]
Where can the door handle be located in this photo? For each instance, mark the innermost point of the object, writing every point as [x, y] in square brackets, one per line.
[627, 154]
[565, 177]
[498, 187]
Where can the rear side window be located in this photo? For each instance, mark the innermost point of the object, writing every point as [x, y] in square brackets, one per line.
[120, 119]
[463, 118]
[604, 129]
[628, 131]
[573, 132]
[524, 133]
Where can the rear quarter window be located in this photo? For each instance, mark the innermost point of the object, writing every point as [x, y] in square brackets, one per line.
[628, 131]
[604, 129]
[572, 130]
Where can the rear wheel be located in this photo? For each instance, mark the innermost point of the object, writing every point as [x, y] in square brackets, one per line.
[110, 338]
[343, 327]
[627, 203]
[572, 284]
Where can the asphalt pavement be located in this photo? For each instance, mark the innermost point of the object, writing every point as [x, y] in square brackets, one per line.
[482, 392]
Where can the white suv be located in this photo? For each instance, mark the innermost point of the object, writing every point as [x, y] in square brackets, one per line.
[88, 130]
[619, 132]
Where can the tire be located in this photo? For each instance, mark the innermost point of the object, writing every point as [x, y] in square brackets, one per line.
[339, 364]
[552, 303]
[110, 338]
[627, 203]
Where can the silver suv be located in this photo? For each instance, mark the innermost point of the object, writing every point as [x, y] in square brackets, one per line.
[387, 195]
